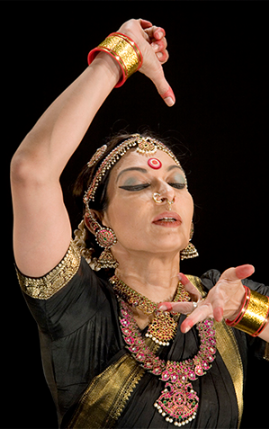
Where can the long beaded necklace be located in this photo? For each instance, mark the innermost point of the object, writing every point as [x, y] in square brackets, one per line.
[178, 402]
[163, 327]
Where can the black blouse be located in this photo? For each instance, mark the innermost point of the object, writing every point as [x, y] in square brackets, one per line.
[78, 320]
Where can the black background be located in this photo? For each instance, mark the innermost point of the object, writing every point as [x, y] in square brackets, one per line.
[219, 72]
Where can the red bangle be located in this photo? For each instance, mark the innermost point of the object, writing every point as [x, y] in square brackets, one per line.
[242, 311]
[253, 315]
[124, 50]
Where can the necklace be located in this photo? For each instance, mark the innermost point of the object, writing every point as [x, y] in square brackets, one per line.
[163, 327]
[178, 402]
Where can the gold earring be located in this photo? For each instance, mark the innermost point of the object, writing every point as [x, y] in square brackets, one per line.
[190, 251]
[105, 237]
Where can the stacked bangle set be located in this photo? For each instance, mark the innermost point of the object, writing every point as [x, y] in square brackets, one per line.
[124, 50]
[253, 315]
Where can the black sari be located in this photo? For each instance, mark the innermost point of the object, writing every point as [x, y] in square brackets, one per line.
[96, 383]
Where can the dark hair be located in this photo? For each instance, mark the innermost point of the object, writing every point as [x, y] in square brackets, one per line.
[86, 176]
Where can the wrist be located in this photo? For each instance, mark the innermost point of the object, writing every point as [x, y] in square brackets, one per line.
[110, 67]
[253, 315]
[122, 50]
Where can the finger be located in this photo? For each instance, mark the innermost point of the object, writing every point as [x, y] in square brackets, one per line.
[189, 287]
[159, 33]
[155, 32]
[159, 46]
[201, 313]
[144, 23]
[162, 56]
[177, 307]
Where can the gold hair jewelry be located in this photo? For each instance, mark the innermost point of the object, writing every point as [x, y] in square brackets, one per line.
[143, 145]
[98, 154]
[163, 327]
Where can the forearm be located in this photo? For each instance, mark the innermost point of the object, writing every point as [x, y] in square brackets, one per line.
[59, 131]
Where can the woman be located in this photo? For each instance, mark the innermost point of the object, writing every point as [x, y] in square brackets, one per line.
[118, 350]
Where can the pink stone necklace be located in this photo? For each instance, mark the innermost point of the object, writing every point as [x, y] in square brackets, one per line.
[178, 402]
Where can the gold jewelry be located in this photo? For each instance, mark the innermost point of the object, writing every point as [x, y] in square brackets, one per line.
[124, 50]
[255, 315]
[159, 200]
[105, 237]
[163, 327]
[143, 145]
[190, 251]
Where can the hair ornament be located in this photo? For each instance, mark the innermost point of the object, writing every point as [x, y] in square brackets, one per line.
[146, 146]
[143, 145]
[98, 154]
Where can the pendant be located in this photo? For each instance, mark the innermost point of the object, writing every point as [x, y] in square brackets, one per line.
[162, 329]
[178, 402]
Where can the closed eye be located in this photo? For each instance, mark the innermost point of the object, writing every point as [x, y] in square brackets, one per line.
[178, 185]
[134, 188]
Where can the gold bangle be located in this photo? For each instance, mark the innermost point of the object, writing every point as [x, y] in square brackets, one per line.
[256, 315]
[124, 50]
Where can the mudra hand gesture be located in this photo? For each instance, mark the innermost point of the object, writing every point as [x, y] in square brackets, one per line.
[152, 43]
[224, 300]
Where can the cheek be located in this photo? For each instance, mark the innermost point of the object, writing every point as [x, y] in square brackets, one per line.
[124, 217]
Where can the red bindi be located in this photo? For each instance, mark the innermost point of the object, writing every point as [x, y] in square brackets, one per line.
[154, 163]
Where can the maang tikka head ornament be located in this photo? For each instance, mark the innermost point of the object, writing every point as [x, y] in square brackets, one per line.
[147, 146]
[144, 146]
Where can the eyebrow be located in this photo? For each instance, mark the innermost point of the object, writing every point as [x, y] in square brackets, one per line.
[175, 166]
[143, 170]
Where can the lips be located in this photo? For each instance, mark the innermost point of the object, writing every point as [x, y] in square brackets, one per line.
[169, 219]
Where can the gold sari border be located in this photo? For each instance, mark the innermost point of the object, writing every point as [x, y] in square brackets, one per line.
[107, 395]
[45, 287]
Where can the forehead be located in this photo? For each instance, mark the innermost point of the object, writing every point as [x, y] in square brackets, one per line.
[135, 159]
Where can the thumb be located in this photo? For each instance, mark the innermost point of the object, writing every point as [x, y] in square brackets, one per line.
[238, 273]
[169, 97]
[163, 88]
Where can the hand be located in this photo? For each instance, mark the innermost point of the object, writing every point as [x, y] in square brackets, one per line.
[223, 300]
[152, 43]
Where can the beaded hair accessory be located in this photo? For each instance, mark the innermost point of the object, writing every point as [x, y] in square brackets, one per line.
[144, 146]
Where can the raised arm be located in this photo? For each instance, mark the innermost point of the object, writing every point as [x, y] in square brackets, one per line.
[42, 230]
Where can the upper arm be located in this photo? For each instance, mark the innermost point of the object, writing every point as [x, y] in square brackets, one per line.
[42, 229]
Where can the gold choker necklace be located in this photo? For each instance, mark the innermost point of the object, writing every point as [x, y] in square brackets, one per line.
[163, 327]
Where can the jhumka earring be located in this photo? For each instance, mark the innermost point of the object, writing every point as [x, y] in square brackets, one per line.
[105, 237]
[190, 251]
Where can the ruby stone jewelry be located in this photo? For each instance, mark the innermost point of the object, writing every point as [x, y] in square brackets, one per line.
[178, 402]
[163, 327]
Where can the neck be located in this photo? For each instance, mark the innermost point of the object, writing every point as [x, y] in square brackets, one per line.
[152, 276]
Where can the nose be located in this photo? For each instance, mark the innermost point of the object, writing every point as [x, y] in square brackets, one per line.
[165, 195]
